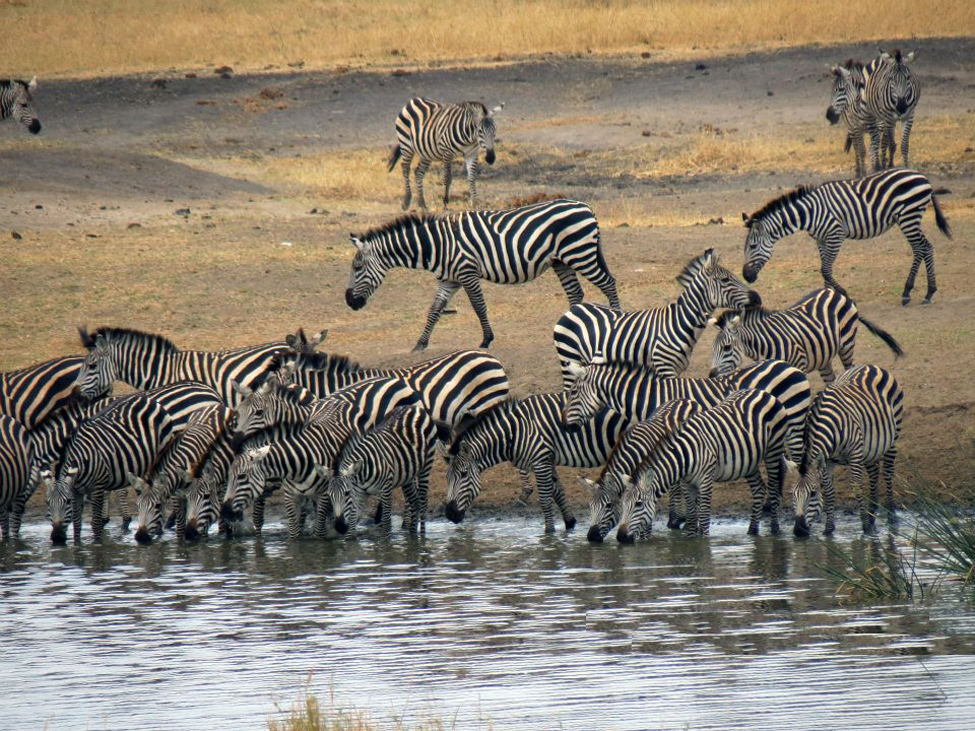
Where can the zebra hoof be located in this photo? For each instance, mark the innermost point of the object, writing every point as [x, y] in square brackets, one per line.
[570, 523]
[419, 347]
[905, 300]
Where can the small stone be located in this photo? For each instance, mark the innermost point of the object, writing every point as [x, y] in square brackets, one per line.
[270, 92]
[182, 212]
[92, 236]
[645, 54]
[158, 84]
[190, 75]
[646, 133]
[221, 70]
[700, 67]
[38, 207]
[400, 72]
[15, 235]
[769, 93]
[134, 225]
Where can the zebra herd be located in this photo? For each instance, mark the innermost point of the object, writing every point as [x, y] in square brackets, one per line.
[210, 435]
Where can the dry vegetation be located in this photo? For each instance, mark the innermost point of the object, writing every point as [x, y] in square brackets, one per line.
[137, 35]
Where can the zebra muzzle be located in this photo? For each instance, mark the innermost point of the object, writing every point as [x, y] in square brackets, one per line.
[595, 535]
[801, 527]
[35, 126]
[356, 303]
[754, 299]
[454, 515]
[489, 156]
[832, 115]
[230, 514]
[142, 536]
[341, 526]
[750, 273]
[624, 536]
[59, 535]
[901, 106]
[191, 533]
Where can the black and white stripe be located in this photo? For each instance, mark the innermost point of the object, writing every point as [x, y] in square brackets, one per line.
[847, 102]
[808, 335]
[432, 131]
[856, 422]
[729, 441]
[661, 338]
[30, 394]
[892, 93]
[848, 209]
[15, 475]
[506, 247]
[16, 102]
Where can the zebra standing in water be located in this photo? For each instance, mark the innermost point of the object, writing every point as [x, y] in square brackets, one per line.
[808, 335]
[857, 422]
[506, 247]
[433, 131]
[15, 474]
[661, 338]
[847, 101]
[833, 212]
[892, 93]
[16, 101]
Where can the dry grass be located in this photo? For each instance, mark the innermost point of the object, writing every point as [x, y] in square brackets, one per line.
[93, 38]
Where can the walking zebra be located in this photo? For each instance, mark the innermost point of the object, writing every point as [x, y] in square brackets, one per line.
[892, 93]
[530, 434]
[146, 361]
[30, 394]
[397, 453]
[808, 335]
[16, 101]
[729, 441]
[662, 337]
[856, 422]
[847, 101]
[848, 209]
[433, 131]
[15, 475]
[506, 247]
[634, 445]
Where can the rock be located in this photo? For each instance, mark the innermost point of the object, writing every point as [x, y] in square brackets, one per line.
[700, 67]
[158, 84]
[134, 225]
[190, 75]
[182, 212]
[15, 235]
[221, 70]
[269, 92]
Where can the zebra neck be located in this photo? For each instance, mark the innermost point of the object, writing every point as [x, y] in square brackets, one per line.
[496, 443]
[690, 313]
[422, 246]
[631, 393]
[791, 217]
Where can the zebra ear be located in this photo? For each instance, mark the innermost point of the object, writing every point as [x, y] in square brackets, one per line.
[316, 340]
[260, 453]
[497, 109]
[746, 219]
[355, 241]
[736, 320]
[243, 391]
[909, 57]
[324, 472]
[464, 450]
[32, 84]
[790, 466]
[71, 471]
[575, 370]
[840, 71]
[136, 482]
[353, 469]
[101, 344]
[588, 484]
[598, 359]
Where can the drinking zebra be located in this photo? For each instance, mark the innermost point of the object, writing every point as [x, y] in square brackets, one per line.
[16, 101]
[633, 446]
[530, 434]
[662, 337]
[30, 394]
[848, 209]
[729, 441]
[204, 485]
[15, 475]
[846, 102]
[397, 453]
[507, 247]
[808, 335]
[892, 93]
[856, 422]
[433, 131]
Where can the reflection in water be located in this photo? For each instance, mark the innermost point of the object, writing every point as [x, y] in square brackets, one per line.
[487, 619]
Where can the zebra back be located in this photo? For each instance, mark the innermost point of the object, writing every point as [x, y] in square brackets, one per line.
[30, 394]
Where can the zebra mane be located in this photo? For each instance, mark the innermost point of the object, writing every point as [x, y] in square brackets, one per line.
[474, 106]
[223, 432]
[328, 362]
[693, 267]
[777, 204]
[124, 333]
[469, 423]
[407, 220]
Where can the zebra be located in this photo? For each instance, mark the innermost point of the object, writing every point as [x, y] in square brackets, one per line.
[16, 462]
[145, 361]
[847, 102]
[808, 335]
[634, 444]
[729, 441]
[397, 453]
[856, 422]
[849, 209]
[529, 433]
[204, 483]
[433, 131]
[892, 93]
[506, 247]
[30, 394]
[16, 101]
[661, 338]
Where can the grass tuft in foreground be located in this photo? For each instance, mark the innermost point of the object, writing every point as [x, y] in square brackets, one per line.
[945, 532]
[884, 574]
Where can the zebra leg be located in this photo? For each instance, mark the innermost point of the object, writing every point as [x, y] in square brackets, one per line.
[889, 457]
[472, 171]
[929, 270]
[5, 524]
[827, 373]
[472, 285]
[526, 486]
[292, 510]
[98, 505]
[257, 513]
[445, 291]
[856, 478]
[873, 472]
[179, 508]
[775, 470]
[570, 282]
[124, 508]
[906, 138]
[829, 499]
[545, 479]
[558, 493]
[407, 161]
[677, 507]
[78, 506]
[323, 512]
[876, 136]
[922, 249]
[422, 495]
[757, 485]
[829, 249]
[860, 152]
[704, 492]
[448, 175]
[421, 170]
[387, 501]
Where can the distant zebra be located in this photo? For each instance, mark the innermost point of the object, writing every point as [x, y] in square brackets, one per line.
[808, 335]
[506, 247]
[530, 434]
[433, 131]
[856, 422]
[30, 394]
[847, 101]
[892, 93]
[15, 475]
[16, 101]
[634, 445]
[848, 209]
[146, 361]
[397, 453]
[661, 337]
[729, 441]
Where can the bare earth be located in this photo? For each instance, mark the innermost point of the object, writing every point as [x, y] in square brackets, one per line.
[95, 197]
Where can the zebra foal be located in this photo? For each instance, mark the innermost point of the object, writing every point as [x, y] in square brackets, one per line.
[431, 131]
[16, 102]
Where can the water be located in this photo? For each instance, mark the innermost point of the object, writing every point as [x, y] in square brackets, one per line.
[489, 623]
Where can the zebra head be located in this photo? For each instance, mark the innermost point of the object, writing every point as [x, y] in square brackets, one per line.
[255, 412]
[806, 498]
[728, 351]
[900, 85]
[21, 105]
[245, 482]
[715, 286]
[843, 93]
[637, 508]
[346, 493]
[99, 371]
[149, 507]
[604, 505]
[583, 400]
[463, 482]
[59, 495]
[368, 270]
[758, 246]
[202, 501]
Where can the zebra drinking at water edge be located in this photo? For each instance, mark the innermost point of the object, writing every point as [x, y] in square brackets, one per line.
[16, 101]
[892, 93]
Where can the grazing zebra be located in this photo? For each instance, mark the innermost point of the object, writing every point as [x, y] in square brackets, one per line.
[15, 474]
[146, 361]
[662, 337]
[16, 101]
[892, 93]
[530, 434]
[856, 422]
[729, 441]
[30, 394]
[204, 485]
[433, 131]
[506, 247]
[633, 446]
[808, 335]
[397, 453]
[847, 101]
[848, 209]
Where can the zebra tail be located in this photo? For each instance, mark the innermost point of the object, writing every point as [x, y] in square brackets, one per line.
[393, 158]
[883, 335]
[939, 216]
